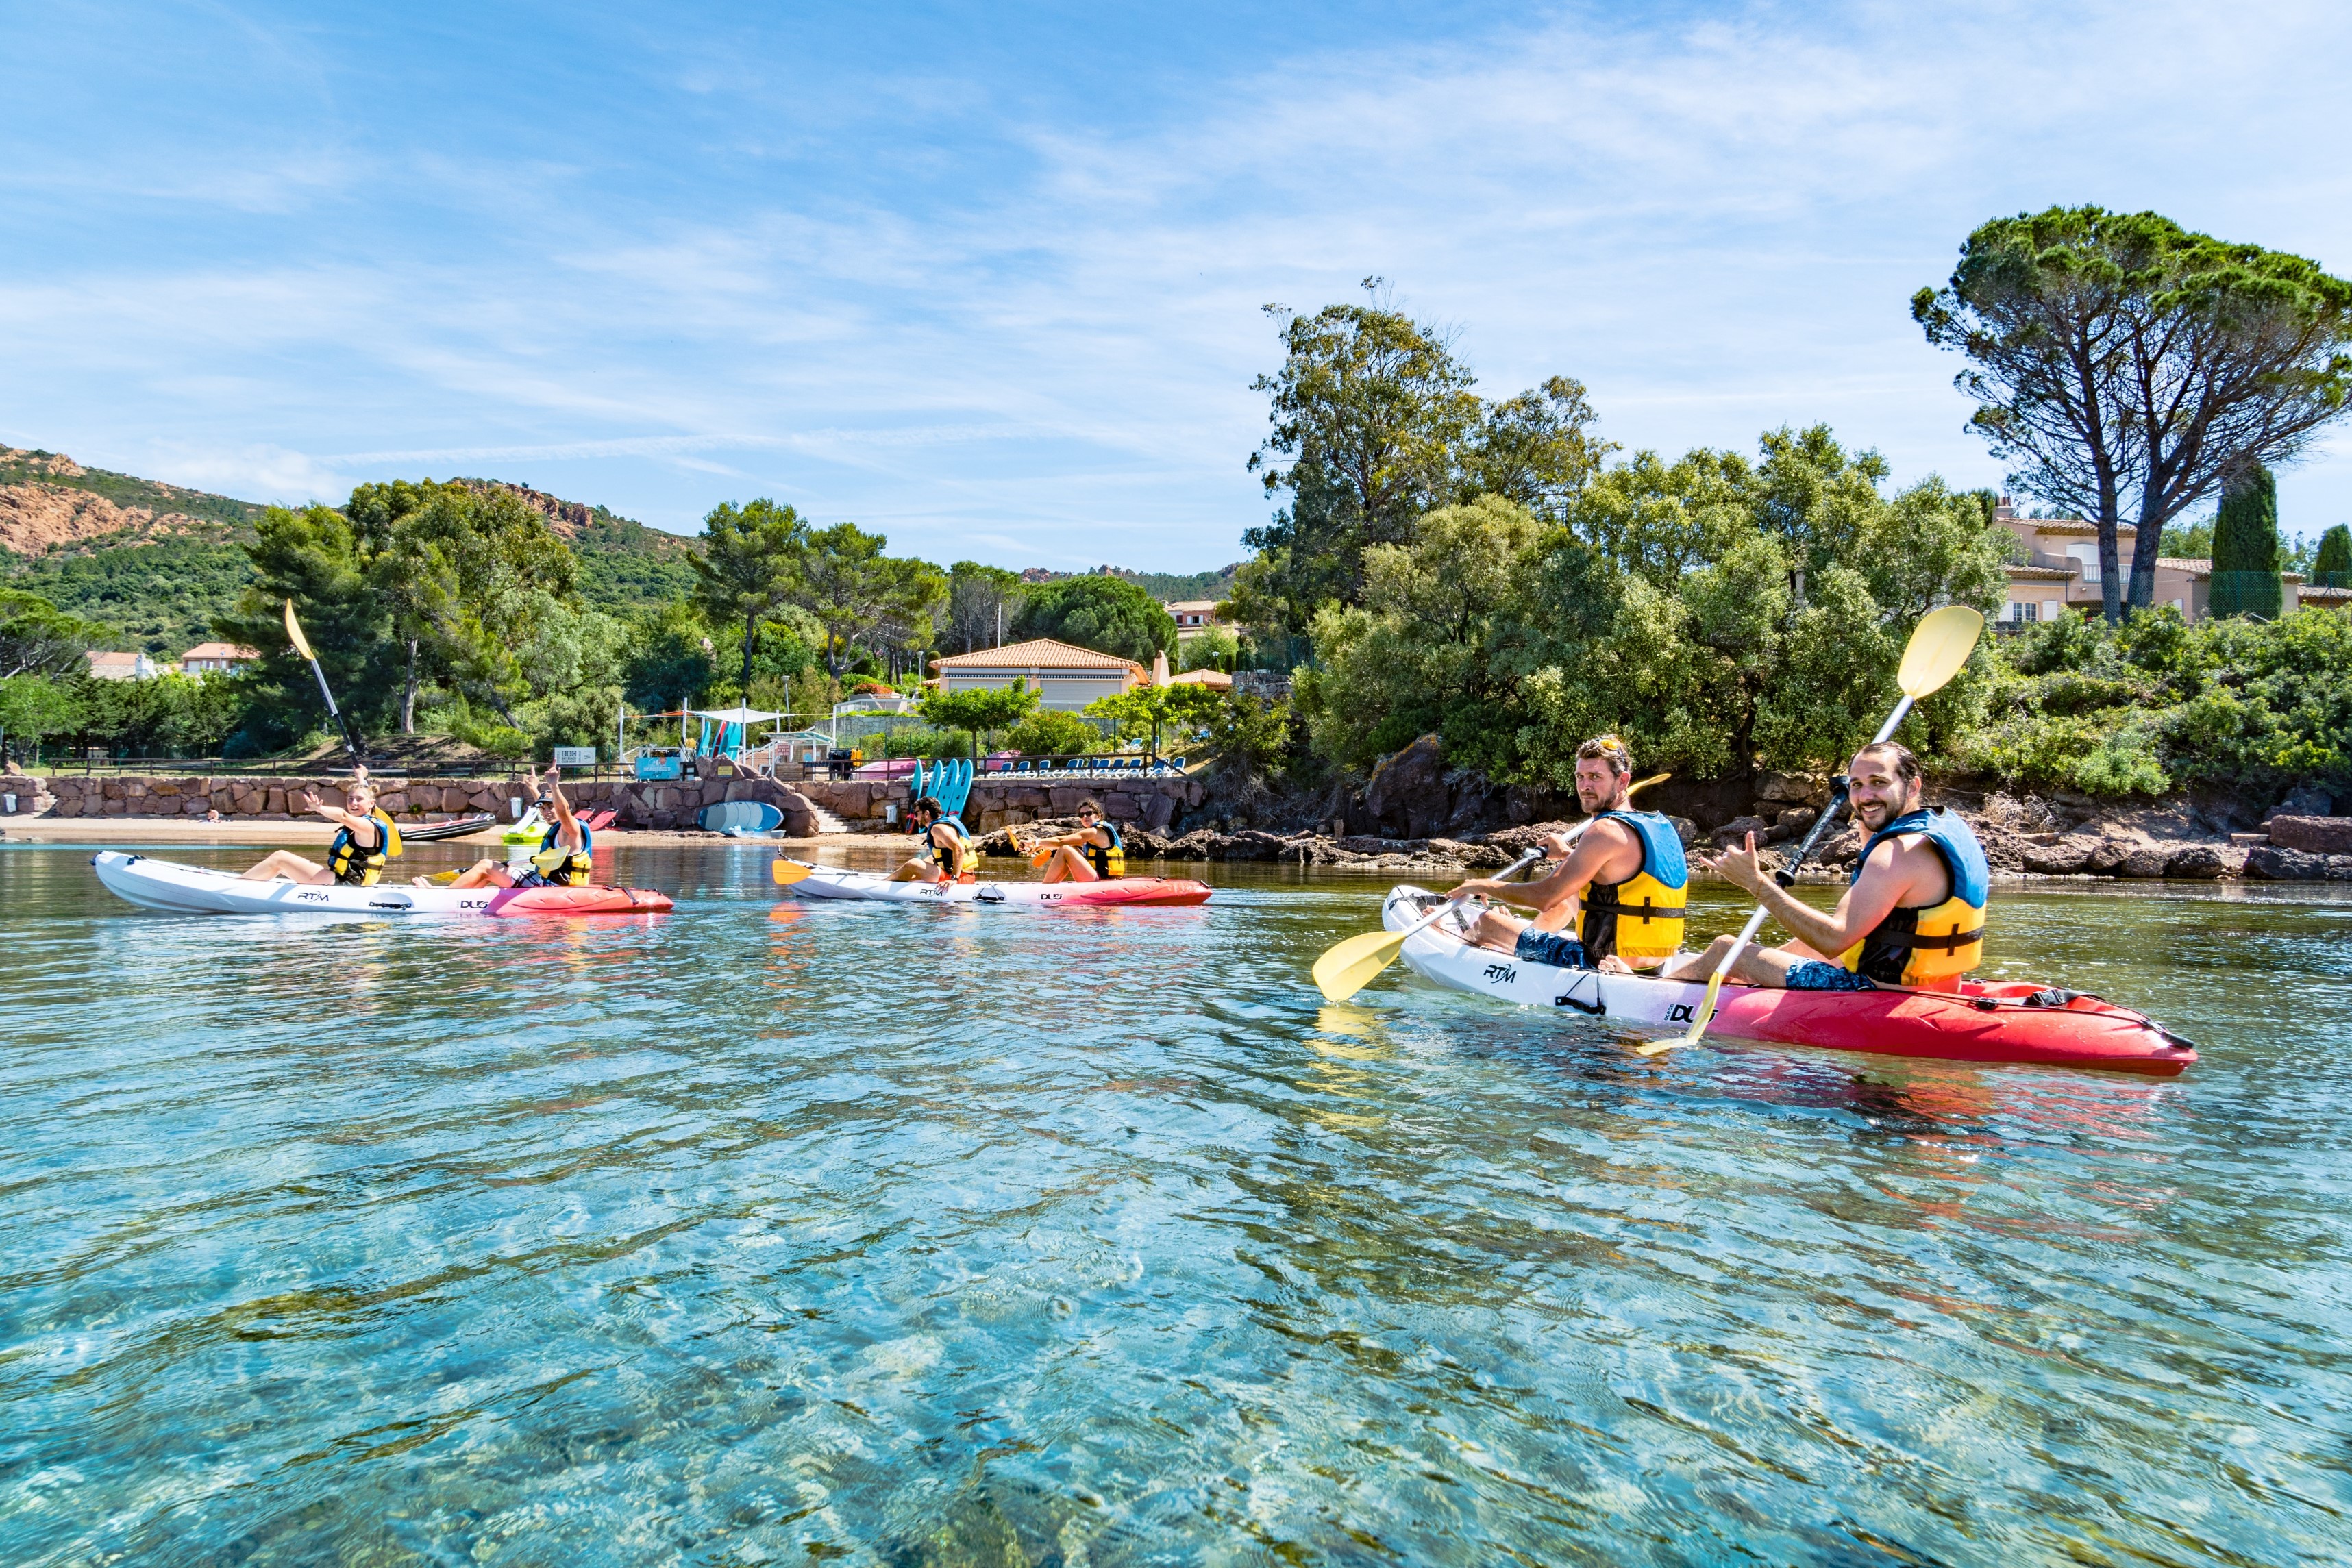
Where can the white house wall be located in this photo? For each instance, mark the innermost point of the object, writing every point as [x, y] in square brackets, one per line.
[1065, 691]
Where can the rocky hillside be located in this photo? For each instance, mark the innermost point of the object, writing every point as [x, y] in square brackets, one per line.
[47, 500]
[158, 562]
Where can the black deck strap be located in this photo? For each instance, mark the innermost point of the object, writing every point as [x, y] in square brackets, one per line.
[1948, 942]
[1596, 1008]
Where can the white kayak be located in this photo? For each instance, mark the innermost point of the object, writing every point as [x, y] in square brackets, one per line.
[2014, 1021]
[1130, 891]
[197, 890]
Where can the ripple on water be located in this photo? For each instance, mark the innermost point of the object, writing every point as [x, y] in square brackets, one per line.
[767, 1232]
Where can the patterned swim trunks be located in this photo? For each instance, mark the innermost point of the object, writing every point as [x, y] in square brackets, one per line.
[1550, 948]
[1814, 975]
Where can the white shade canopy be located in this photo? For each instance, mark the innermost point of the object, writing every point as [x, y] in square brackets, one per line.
[734, 715]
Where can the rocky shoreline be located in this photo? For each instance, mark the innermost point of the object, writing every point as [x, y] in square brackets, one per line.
[2025, 839]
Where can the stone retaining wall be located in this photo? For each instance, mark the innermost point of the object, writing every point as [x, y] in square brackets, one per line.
[1153, 804]
[997, 801]
[276, 799]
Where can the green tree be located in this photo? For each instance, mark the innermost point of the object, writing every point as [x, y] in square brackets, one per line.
[1148, 712]
[981, 602]
[668, 660]
[1534, 450]
[1715, 611]
[1108, 615]
[1051, 732]
[34, 707]
[2246, 547]
[37, 638]
[1373, 423]
[1210, 648]
[321, 561]
[2333, 566]
[751, 566]
[2121, 355]
[852, 591]
[981, 711]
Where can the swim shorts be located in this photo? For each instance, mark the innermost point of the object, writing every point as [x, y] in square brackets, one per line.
[1816, 975]
[1550, 948]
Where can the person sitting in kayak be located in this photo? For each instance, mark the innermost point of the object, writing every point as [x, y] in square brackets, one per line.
[1912, 915]
[365, 839]
[944, 850]
[566, 857]
[1621, 886]
[1095, 852]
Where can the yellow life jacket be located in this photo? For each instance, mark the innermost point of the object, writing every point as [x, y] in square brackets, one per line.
[1933, 947]
[562, 867]
[1640, 917]
[1108, 860]
[356, 867]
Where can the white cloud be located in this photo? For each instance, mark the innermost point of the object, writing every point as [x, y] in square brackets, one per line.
[1715, 222]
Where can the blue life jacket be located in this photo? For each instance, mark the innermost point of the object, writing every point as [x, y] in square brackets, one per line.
[1933, 946]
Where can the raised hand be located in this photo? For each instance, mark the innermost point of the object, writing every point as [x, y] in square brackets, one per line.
[1739, 867]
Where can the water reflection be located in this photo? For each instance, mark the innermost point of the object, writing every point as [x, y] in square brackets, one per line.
[767, 1232]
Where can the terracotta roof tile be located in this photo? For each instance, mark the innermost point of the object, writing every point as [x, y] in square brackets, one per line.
[1039, 654]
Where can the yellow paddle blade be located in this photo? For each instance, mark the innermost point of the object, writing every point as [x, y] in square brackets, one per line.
[787, 873]
[444, 878]
[1350, 965]
[1699, 1024]
[1939, 645]
[294, 634]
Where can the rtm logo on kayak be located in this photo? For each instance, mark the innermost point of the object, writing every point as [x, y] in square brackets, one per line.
[1679, 1013]
[1501, 974]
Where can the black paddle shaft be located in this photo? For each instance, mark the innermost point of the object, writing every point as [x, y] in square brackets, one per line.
[1787, 875]
[335, 713]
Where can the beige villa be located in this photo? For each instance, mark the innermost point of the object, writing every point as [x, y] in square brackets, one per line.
[2061, 572]
[217, 659]
[1193, 616]
[1067, 677]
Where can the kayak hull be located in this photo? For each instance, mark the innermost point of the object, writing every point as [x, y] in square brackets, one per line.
[1117, 892]
[196, 889]
[1983, 1023]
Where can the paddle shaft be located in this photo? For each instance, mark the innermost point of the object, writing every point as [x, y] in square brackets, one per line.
[1433, 917]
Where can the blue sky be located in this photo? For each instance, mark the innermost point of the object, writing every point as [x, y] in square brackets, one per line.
[988, 277]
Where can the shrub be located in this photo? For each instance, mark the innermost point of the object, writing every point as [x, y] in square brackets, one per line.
[1050, 732]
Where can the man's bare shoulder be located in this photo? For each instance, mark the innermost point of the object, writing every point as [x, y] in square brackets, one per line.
[1908, 856]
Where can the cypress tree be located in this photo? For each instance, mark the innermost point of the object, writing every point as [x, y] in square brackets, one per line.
[2246, 547]
[2334, 566]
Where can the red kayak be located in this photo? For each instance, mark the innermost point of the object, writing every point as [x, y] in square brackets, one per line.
[514, 900]
[2021, 1022]
[2011, 1022]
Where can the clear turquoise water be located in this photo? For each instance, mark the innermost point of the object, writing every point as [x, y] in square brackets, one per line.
[974, 1237]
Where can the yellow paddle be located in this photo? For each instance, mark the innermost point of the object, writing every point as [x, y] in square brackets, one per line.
[1348, 967]
[303, 646]
[1939, 645]
[787, 873]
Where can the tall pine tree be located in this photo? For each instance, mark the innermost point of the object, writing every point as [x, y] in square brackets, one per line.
[2334, 566]
[2246, 546]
